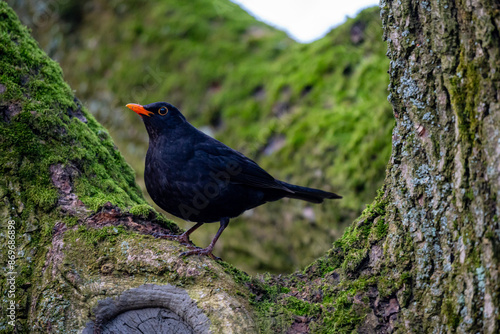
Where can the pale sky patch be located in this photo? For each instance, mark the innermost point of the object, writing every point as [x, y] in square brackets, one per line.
[304, 20]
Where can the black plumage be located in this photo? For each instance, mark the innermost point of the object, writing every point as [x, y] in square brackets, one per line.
[195, 177]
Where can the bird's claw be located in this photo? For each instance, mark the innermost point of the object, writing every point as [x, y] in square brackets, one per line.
[201, 251]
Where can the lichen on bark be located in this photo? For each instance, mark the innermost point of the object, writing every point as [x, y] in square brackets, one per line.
[444, 169]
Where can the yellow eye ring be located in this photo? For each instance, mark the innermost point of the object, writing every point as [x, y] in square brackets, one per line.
[163, 111]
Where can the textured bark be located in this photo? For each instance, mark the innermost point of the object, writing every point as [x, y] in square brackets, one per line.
[443, 180]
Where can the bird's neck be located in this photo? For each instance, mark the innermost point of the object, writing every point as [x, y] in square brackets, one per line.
[157, 133]
[166, 137]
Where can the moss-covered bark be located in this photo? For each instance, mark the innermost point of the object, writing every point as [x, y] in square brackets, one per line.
[423, 257]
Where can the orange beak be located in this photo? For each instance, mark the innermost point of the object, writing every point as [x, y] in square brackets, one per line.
[139, 109]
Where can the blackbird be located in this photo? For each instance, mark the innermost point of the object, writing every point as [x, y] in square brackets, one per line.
[195, 177]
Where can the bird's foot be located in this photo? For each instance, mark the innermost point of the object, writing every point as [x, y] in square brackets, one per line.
[182, 239]
[201, 251]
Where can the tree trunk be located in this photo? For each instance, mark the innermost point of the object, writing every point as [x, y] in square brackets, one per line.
[423, 257]
[443, 182]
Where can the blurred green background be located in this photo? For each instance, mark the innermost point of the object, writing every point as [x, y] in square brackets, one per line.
[311, 114]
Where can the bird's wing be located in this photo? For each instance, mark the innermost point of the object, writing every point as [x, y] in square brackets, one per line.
[241, 170]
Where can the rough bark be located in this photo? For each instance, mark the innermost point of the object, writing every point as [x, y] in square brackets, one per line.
[444, 177]
[423, 257]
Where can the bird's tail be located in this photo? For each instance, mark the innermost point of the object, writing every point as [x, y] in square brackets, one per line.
[308, 194]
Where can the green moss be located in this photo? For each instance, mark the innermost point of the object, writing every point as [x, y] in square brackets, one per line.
[44, 132]
[344, 317]
[300, 307]
[381, 229]
[452, 316]
[238, 275]
[353, 260]
[465, 98]
[325, 264]
[386, 286]
[94, 236]
[141, 210]
[273, 317]
[43, 196]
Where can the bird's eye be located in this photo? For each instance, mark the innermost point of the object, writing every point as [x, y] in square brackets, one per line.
[163, 111]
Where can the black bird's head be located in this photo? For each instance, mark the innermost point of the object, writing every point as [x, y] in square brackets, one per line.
[158, 117]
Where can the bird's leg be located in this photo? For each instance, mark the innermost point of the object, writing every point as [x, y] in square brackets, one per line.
[183, 238]
[208, 251]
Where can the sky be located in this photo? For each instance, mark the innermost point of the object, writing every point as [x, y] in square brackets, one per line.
[304, 20]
